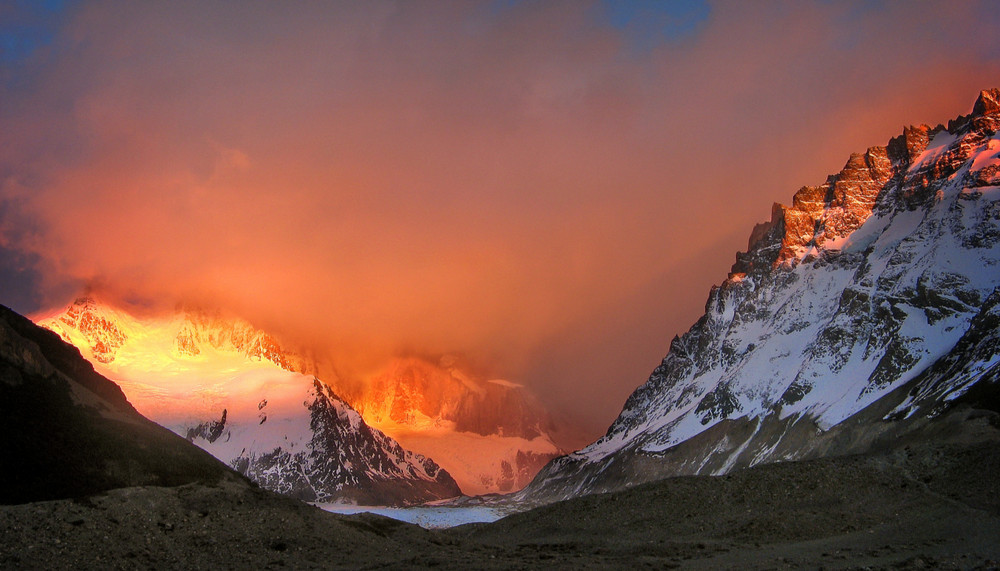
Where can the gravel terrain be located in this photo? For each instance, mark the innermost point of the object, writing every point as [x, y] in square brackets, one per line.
[922, 507]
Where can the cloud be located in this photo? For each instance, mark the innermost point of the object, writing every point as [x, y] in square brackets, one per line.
[518, 184]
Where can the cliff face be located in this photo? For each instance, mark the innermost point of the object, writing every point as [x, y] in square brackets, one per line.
[861, 309]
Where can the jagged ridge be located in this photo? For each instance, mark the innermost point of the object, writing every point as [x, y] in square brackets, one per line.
[858, 302]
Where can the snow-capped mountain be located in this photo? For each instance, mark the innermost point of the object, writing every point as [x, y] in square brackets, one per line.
[104, 329]
[857, 315]
[301, 440]
[490, 435]
[223, 385]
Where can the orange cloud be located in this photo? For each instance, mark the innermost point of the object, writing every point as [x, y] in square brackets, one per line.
[520, 185]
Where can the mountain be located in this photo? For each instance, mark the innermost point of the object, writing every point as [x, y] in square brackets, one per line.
[490, 434]
[101, 330]
[857, 318]
[68, 431]
[223, 385]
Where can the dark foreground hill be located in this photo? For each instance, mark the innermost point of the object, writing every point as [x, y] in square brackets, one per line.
[922, 506]
[931, 505]
[66, 431]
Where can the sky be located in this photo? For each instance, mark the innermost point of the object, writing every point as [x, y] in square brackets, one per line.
[548, 187]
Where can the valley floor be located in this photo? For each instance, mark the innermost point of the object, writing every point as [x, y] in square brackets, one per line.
[928, 506]
[430, 516]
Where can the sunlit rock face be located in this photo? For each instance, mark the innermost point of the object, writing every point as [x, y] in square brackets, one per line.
[491, 435]
[866, 306]
[200, 327]
[101, 329]
[414, 391]
[225, 386]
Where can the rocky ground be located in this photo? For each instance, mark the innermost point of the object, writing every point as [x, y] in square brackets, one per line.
[923, 506]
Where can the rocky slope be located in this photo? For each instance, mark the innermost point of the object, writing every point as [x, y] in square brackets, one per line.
[224, 386]
[857, 315]
[68, 431]
[926, 507]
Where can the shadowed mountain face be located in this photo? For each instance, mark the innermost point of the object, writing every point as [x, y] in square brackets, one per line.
[859, 313]
[68, 431]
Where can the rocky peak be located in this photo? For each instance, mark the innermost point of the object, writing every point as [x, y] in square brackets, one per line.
[906, 147]
[102, 330]
[230, 334]
[821, 213]
[81, 306]
[988, 103]
[985, 114]
[857, 310]
[906, 173]
[836, 208]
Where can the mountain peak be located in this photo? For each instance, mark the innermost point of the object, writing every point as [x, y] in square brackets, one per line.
[907, 147]
[905, 173]
[987, 103]
[287, 431]
[819, 214]
[105, 331]
[85, 301]
[864, 310]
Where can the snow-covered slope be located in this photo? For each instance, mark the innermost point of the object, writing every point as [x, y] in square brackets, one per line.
[490, 435]
[222, 384]
[872, 298]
